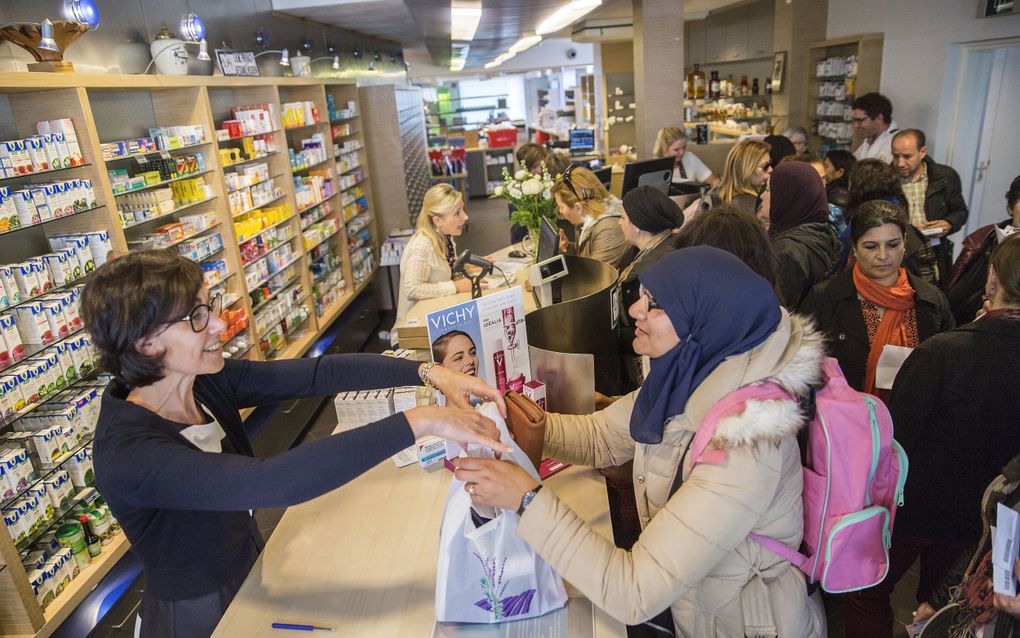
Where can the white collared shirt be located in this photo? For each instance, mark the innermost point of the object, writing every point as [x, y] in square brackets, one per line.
[881, 148]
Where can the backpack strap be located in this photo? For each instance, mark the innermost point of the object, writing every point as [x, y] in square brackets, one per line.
[730, 405]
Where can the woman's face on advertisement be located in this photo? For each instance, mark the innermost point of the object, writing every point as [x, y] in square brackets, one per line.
[461, 356]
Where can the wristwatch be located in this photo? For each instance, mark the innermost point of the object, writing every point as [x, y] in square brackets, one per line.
[526, 500]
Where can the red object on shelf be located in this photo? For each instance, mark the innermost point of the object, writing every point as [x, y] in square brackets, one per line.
[502, 137]
[541, 137]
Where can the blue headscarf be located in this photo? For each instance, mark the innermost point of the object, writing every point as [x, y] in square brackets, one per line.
[719, 307]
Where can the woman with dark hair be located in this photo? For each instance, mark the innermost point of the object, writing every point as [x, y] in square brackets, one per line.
[648, 222]
[795, 212]
[837, 166]
[711, 325]
[872, 179]
[965, 285]
[173, 458]
[780, 147]
[738, 233]
[877, 303]
[954, 405]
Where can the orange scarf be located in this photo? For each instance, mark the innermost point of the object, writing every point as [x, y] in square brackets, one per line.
[892, 330]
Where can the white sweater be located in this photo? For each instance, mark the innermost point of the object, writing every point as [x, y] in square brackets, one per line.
[423, 275]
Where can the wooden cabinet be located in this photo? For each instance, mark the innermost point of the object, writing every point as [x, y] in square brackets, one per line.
[733, 35]
[840, 70]
[322, 243]
[694, 42]
[760, 27]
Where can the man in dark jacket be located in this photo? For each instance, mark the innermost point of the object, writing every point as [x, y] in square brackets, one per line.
[934, 196]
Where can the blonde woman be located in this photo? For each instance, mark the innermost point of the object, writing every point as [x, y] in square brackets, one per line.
[672, 142]
[426, 268]
[744, 175]
[584, 201]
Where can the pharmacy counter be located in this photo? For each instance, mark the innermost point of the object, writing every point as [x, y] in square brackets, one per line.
[362, 559]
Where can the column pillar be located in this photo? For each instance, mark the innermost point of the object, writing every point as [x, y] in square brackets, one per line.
[658, 69]
[796, 26]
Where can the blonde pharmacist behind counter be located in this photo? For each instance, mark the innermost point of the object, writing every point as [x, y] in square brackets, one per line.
[426, 267]
[173, 459]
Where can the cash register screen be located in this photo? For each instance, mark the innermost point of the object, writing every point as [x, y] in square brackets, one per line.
[582, 140]
[548, 241]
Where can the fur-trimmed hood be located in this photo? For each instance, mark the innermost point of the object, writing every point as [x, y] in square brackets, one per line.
[792, 358]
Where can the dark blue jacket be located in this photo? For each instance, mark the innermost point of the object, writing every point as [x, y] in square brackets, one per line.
[185, 511]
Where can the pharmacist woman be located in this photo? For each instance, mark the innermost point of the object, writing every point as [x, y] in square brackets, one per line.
[173, 458]
[426, 267]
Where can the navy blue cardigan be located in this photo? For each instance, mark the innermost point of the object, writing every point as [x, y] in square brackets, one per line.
[185, 511]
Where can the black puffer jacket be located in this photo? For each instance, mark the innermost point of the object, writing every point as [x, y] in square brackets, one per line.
[807, 254]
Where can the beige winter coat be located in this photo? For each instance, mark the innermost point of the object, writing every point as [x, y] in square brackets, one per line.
[693, 554]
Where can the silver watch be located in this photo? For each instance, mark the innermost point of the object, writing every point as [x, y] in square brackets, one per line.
[526, 500]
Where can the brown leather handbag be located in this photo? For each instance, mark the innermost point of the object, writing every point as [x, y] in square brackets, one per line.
[526, 422]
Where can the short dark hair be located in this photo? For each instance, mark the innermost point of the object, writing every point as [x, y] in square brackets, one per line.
[1006, 261]
[1013, 194]
[530, 154]
[844, 161]
[874, 104]
[874, 179]
[738, 233]
[916, 133]
[128, 299]
[440, 344]
[875, 213]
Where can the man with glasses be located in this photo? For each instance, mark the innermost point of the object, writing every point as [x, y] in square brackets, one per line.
[872, 118]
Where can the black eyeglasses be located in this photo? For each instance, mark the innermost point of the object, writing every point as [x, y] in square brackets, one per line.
[566, 180]
[650, 302]
[200, 314]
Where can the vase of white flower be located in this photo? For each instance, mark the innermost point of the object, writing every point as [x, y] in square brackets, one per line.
[532, 199]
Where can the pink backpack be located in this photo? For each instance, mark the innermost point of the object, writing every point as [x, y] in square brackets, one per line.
[854, 472]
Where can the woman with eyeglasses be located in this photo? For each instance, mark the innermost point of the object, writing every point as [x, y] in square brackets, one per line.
[583, 201]
[711, 325]
[173, 458]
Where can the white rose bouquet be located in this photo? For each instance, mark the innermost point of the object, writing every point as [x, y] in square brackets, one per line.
[532, 198]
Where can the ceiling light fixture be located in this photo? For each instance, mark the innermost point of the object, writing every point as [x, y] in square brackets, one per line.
[565, 15]
[499, 59]
[524, 43]
[464, 18]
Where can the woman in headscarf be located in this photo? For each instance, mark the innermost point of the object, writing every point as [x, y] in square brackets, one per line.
[648, 222]
[878, 302]
[710, 325]
[796, 214]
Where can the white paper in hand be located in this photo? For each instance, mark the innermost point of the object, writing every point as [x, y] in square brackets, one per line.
[889, 364]
[1005, 548]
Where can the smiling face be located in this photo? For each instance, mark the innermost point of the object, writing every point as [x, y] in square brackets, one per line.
[461, 355]
[880, 252]
[573, 214]
[654, 334]
[186, 352]
[451, 223]
[869, 127]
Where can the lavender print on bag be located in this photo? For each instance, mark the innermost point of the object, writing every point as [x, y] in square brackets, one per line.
[493, 587]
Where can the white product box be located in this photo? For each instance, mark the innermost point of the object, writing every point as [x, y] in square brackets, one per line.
[32, 323]
[11, 336]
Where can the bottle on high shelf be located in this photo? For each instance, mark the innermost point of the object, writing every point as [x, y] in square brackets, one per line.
[713, 86]
[744, 90]
[696, 84]
[754, 86]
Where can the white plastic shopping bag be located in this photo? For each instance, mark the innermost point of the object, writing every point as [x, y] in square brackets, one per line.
[489, 574]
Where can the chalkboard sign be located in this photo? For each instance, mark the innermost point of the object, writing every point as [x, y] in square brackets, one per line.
[237, 63]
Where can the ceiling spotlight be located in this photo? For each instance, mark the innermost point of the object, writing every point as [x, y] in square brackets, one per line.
[307, 45]
[357, 54]
[284, 55]
[336, 62]
[203, 50]
[376, 56]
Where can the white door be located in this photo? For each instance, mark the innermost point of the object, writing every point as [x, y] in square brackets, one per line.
[998, 155]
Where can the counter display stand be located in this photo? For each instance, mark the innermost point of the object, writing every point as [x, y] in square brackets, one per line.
[273, 312]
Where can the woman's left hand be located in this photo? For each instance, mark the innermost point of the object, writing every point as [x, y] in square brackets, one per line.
[459, 387]
[496, 483]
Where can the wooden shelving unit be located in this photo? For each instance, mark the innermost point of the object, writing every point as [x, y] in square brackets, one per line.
[843, 85]
[105, 108]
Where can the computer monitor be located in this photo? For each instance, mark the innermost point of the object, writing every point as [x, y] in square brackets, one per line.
[656, 173]
[548, 240]
[582, 140]
[604, 175]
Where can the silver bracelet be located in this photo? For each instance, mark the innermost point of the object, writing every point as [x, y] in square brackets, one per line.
[423, 373]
